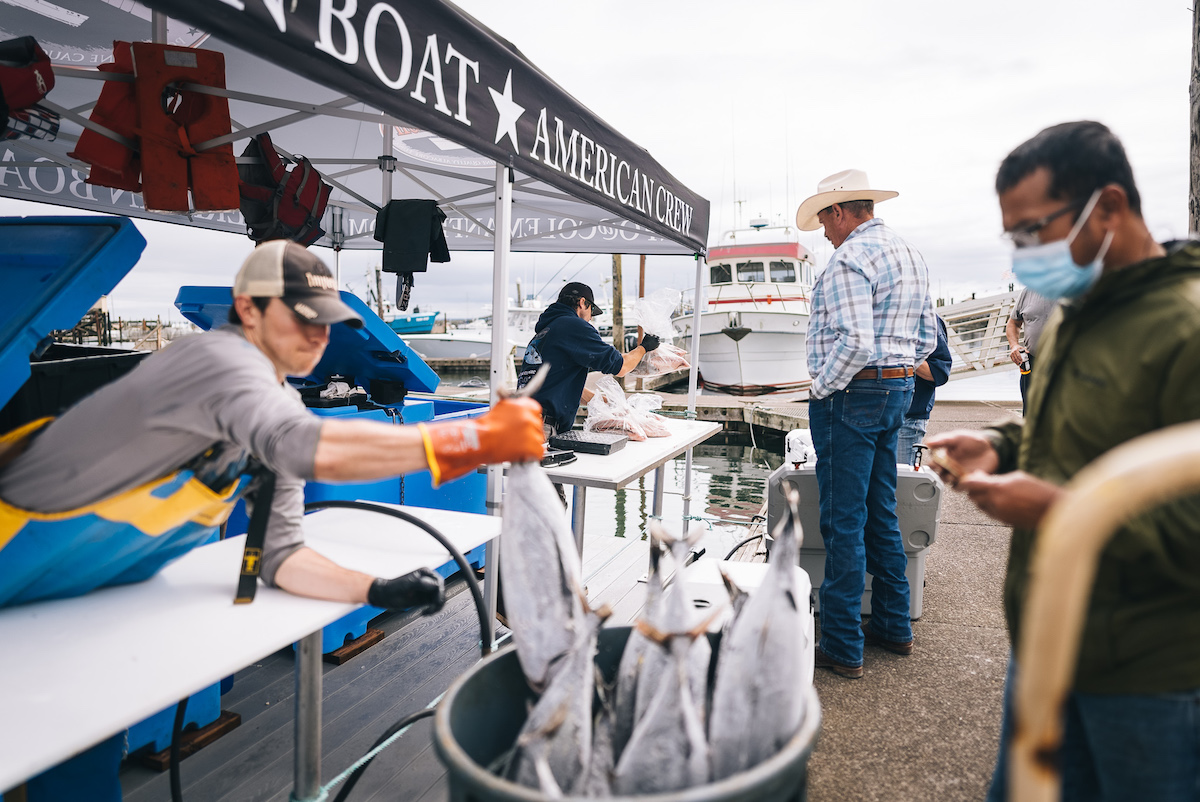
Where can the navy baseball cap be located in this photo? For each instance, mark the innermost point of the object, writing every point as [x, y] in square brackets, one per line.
[572, 292]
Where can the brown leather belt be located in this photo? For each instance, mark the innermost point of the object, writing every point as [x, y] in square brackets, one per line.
[883, 373]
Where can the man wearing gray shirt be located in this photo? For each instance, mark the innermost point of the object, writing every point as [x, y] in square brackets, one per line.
[111, 491]
[1030, 313]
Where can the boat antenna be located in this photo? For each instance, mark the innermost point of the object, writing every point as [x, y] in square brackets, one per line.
[737, 204]
[787, 154]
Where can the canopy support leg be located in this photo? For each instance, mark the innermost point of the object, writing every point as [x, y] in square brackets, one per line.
[308, 718]
[500, 354]
[693, 374]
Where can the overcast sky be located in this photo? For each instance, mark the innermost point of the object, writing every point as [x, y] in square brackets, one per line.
[751, 103]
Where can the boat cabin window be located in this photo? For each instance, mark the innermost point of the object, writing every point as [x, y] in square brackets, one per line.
[720, 274]
[783, 272]
[750, 271]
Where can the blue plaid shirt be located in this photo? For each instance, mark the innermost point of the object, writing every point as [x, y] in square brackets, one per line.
[870, 307]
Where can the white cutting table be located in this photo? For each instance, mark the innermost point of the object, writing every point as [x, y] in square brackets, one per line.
[614, 471]
[76, 671]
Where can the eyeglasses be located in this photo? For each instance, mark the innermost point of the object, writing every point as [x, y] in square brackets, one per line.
[1027, 236]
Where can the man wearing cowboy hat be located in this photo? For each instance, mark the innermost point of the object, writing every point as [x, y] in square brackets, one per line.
[871, 322]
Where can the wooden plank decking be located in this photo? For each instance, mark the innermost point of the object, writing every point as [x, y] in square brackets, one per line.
[410, 668]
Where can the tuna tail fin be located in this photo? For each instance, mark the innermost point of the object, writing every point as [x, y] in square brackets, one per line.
[678, 545]
[731, 587]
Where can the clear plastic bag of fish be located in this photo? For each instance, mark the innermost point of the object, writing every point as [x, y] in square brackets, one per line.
[653, 313]
[609, 410]
[666, 358]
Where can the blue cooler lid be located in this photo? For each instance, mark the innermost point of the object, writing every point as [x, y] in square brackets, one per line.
[372, 352]
[54, 269]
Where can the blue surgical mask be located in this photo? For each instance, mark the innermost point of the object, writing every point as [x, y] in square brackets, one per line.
[1051, 271]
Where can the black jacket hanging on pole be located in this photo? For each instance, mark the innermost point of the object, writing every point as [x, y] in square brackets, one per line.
[411, 233]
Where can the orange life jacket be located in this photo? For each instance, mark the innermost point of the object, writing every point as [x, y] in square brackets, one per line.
[173, 120]
[164, 123]
[113, 164]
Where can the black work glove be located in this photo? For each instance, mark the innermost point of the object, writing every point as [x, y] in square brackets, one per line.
[649, 342]
[422, 588]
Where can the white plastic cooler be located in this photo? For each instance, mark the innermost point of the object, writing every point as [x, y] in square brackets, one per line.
[918, 505]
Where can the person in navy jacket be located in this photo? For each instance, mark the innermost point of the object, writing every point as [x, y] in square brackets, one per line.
[566, 340]
[932, 373]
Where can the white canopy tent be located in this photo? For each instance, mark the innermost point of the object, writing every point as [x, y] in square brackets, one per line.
[388, 100]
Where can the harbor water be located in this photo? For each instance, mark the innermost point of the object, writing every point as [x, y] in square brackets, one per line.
[728, 483]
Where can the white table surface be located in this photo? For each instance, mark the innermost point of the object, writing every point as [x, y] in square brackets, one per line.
[613, 471]
[75, 671]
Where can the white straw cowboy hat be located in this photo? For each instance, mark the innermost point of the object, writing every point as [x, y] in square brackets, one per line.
[848, 185]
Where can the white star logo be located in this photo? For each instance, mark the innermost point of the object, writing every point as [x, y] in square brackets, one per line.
[510, 112]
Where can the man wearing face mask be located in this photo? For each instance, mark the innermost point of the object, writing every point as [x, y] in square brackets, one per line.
[1121, 360]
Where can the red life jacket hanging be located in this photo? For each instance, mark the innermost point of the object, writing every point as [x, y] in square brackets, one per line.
[279, 203]
[113, 163]
[173, 120]
[26, 75]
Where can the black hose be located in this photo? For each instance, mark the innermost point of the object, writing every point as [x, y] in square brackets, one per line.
[739, 545]
[392, 730]
[485, 630]
[176, 732]
[485, 637]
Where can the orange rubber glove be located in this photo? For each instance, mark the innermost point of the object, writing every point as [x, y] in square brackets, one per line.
[511, 431]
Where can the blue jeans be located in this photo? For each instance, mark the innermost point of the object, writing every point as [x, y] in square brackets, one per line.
[912, 431]
[1118, 747]
[854, 432]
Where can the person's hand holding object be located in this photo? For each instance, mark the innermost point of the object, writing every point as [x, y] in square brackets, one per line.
[1014, 498]
[511, 431]
[649, 342]
[422, 588]
[957, 453]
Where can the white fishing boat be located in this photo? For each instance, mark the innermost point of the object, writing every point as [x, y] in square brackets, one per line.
[754, 322]
[474, 340]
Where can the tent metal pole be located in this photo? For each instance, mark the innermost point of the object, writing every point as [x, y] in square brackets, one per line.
[693, 374]
[387, 164]
[502, 240]
[307, 758]
[158, 27]
[338, 235]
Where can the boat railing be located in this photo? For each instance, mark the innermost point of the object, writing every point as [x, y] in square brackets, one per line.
[975, 330]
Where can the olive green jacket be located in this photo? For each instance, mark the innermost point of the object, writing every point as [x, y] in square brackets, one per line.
[1123, 361]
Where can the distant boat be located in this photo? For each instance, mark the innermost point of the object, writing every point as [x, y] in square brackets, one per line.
[474, 340]
[754, 323]
[413, 323]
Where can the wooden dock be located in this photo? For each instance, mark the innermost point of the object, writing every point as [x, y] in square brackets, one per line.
[409, 669]
[945, 698]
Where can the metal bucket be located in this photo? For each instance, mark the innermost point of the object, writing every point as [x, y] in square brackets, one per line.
[482, 713]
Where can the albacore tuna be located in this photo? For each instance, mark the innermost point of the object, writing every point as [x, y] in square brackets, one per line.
[757, 701]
